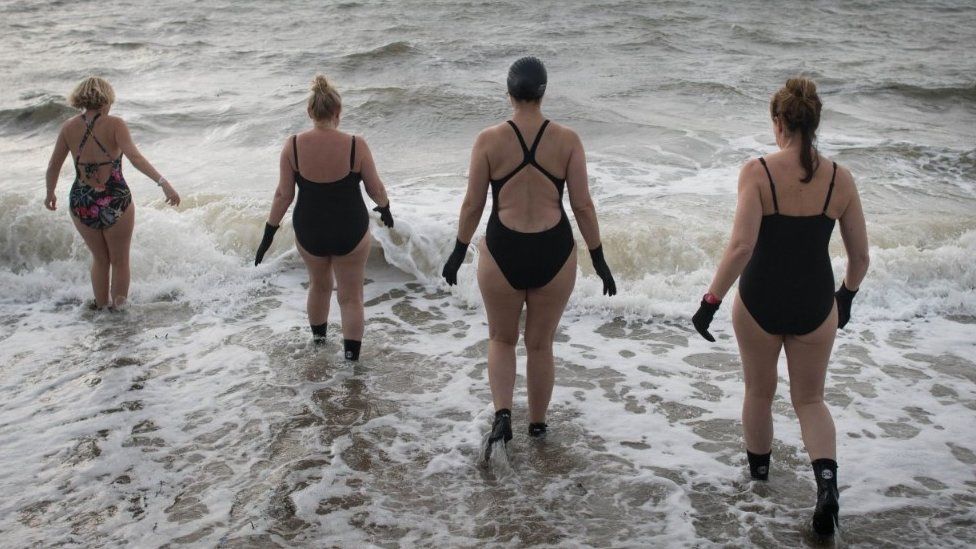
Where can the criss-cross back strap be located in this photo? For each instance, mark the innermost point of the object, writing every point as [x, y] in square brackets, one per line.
[535, 144]
[89, 126]
[525, 148]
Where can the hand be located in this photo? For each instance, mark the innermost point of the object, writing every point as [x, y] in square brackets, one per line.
[603, 271]
[172, 197]
[703, 318]
[269, 232]
[845, 298]
[51, 201]
[385, 214]
[454, 262]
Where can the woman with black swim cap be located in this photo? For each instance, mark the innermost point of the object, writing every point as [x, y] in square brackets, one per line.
[788, 204]
[330, 219]
[528, 256]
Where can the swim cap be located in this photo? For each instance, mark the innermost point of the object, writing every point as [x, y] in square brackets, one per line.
[527, 79]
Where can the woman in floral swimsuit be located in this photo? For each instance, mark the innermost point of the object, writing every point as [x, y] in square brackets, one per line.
[100, 201]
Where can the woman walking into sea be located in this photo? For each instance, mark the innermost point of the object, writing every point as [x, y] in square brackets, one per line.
[788, 204]
[100, 201]
[330, 219]
[527, 259]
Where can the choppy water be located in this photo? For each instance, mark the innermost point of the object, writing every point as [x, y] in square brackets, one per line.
[203, 416]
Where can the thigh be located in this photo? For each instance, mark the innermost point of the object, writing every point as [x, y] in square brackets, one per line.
[319, 268]
[545, 305]
[93, 238]
[350, 269]
[118, 237]
[807, 357]
[758, 349]
[503, 303]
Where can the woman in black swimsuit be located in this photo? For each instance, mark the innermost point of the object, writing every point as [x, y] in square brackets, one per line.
[330, 219]
[788, 203]
[100, 202]
[528, 256]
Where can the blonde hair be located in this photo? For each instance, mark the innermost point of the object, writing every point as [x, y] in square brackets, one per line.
[324, 103]
[798, 107]
[93, 92]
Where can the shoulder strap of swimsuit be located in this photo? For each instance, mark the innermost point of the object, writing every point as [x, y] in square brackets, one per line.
[831, 189]
[352, 154]
[538, 138]
[525, 149]
[772, 186]
[89, 125]
[294, 149]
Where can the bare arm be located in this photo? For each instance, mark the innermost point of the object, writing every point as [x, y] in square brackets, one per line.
[58, 155]
[371, 178]
[476, 196]
[745, 232]
[854, 232]
[285, 192]
[577, 183]
[129, 149]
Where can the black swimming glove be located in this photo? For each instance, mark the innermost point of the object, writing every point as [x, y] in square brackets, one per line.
[269, 232]
[385, 215]
[703, 318]
[454, 262]
[845, 298]
[603, 270]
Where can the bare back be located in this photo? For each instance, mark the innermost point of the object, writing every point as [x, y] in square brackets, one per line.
[324, 156]
[529, 201]
[103, 132]
[795, 198]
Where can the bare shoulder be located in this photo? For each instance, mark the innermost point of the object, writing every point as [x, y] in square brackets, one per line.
[563, 132]
[71, 123]
[751, 173]
[115, 122]
[843, 180]
[844, 177]
[491, 135]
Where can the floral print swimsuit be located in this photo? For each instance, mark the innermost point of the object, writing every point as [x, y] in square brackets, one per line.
[98, 206]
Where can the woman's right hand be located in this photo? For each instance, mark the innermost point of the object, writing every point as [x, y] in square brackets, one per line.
[51, 201]
[845, 298]
[269, 232]
[454, 262]
[172, 197]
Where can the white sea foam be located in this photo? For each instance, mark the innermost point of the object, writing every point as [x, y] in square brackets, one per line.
[204, 415]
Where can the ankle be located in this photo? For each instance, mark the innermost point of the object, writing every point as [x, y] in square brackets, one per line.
[352, 348]
[758, 465]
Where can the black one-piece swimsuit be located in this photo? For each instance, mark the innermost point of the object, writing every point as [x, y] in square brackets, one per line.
[529, 260]
[788, 284]
[330, 218]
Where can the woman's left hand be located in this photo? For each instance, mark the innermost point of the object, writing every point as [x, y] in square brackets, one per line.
[385, 216]
[603, 271]
[51, 202]
[172, 197]
[703, 318]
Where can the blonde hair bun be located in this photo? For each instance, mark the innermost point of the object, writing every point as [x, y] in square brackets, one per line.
[324, 102]
[320, 84]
